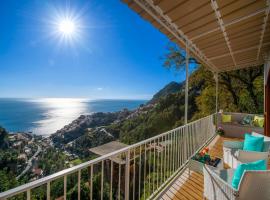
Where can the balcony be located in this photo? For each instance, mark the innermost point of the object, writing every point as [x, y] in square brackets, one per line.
[158, 167]
[151, 169]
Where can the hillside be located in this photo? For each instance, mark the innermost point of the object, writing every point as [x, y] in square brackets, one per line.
[171, 88]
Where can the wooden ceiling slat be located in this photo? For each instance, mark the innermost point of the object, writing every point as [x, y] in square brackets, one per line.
[198, 23]
[238, 66]
[185, 8]
[216, 52]
[247, 32]
[203, 12]
[244, 30]
[201, 29]
[210, 35]
[217, 55]
[241, 47]
[235, 6]
[214, 44]
[266, 40]
[207, 43]
[236, 53]
[246, 54]
[245, 37]
[245, 27]
[254, 19]
[246, 59]
[168, 5]
[250, 42]
[240, 62]
[237, 47]
[222, 3]
[156, 2]
[228, 61]
[228, 56]
[244, 11]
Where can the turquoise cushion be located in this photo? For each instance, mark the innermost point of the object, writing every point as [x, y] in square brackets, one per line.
[252, 143]
[257, 165]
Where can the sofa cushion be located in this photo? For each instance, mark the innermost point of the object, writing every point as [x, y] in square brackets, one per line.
[257, 165]
[247, 120]
[226, 118]
[258, 121]
[252, 143]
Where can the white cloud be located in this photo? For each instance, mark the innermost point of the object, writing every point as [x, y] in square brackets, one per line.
[99, 88]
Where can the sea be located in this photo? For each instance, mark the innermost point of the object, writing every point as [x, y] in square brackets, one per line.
[44, 116]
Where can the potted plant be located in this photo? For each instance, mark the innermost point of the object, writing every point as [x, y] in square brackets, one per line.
[220, 131]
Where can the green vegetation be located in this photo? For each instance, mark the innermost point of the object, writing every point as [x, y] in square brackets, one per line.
[52, 161]
[3, 138]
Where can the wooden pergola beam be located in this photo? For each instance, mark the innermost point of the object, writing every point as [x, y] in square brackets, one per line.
[229, 24]
[222, 27]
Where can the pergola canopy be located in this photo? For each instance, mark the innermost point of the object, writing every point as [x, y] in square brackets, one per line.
[222, 34]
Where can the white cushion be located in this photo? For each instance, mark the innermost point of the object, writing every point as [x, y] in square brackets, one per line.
[266, 145]
[260, 135]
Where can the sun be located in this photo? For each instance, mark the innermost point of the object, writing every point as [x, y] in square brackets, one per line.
[67, 27]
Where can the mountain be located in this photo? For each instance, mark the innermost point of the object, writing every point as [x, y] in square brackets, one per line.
[171, 88]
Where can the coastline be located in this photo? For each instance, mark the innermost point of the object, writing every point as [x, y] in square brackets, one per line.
[44, 117]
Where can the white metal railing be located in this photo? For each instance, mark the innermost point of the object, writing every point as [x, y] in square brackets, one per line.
[138, 171]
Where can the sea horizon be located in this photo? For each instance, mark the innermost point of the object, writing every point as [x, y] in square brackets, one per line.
[44, 116]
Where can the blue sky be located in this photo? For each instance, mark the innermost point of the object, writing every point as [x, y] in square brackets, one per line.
[116, 54]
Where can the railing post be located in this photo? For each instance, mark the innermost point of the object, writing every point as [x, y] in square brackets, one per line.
[28, 194]
[186, 85]
[127, 174]
[65, 187]
[48, 191]
[79, 184]
[216, 80]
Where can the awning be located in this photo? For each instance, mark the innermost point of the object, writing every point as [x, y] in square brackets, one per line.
[221, 34]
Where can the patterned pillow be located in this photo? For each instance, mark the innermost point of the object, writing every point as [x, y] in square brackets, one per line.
[258, 121]
[247, 120]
